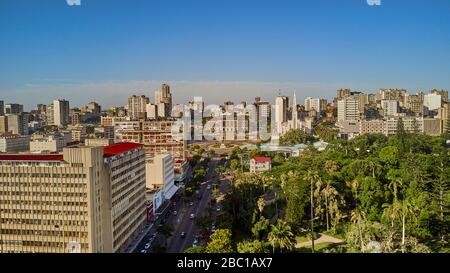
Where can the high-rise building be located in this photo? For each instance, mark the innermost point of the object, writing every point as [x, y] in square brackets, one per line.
[432, 101]
[281, 111]
[13, 108]
[86, 200]
[390, 107]
[157, 138]
[61, 110]
[2, 108]
[415, 104]
[160, 175]
[164, 96]
[18, 124]
[152, 111]
[3, 124]
[348, 109]
[315, 104]
[443, 93]
[137, 106]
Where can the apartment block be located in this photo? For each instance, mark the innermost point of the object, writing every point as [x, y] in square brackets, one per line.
[348, 109]
[160, 175]
[13, 143]
[85, 200]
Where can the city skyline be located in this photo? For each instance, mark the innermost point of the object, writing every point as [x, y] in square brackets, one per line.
[230, 51]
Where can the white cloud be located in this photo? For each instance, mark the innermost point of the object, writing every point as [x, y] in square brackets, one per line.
[73, 2]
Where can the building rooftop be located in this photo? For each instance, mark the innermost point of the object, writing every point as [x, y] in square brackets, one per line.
[108, 151]
[119, 148]
[262, 159]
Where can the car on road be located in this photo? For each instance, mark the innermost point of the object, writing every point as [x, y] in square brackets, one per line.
[143, 251]
[218, 209]
[192, 216]
[194, 244]
[208, 187]
[147, 246]
[183, 234]
[175, 213]
[191, 204]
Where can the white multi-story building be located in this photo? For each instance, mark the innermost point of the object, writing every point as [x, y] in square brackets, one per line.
[137, 106]
[432, 101]
[160, 175]
[315, 104]
[152, 111]
[410, 124]
[348, 109]
[50, 144]
[61, 111]
[390, 107]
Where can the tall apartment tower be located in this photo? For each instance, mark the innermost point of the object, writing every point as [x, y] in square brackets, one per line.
[315, 104]
[2, 108]
[137, 106]
[61, 111]
[18, 124]
[13, 108]
[164, 96]
[86, 200]
[348, 109]
[281, 110]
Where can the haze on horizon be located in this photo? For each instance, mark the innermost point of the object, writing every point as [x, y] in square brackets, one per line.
[221, 50]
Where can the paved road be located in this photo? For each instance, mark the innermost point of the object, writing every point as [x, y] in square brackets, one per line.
[183, 221]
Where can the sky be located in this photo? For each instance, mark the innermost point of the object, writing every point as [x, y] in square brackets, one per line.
[106, 50]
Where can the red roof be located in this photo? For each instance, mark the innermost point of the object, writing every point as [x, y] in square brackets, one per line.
[120, 148]
[262, 159]
[108, 151]
[31, 157]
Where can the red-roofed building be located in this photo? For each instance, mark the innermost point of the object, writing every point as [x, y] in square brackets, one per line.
[96, 195]
[260, 164]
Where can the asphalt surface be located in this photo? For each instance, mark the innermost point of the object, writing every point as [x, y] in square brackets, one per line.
[176, 244]
[180, 222]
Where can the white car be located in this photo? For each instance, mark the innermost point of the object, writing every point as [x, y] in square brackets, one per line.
[143, 251]
[147, 246]
[194, 244]
[209, 187]
[192, 216]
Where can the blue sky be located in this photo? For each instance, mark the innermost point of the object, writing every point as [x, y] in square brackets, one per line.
[225, 49]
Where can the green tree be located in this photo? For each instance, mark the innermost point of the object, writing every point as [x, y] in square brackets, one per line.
[252, 247]
[281, 236]
[196, 249]
[260, 227]
[220, 242]
[294, 137]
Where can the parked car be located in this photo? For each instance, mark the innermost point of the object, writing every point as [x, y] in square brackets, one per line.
[192, 216]
[147, 246]
[208, 187]
[183, 234]
[143, 251]
[194, 244]
[175, 213]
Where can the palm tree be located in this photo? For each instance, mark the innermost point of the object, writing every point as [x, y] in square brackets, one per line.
[358, 216]
[261, 205]
[281, 236]
[400, 210]
[313, 177]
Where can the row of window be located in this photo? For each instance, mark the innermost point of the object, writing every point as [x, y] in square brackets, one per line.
[43, 175]
[37, 244]
[56, 223]
[57, 233]
[59, 203]
[45, 212]
[53, 194]
[43, 184]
